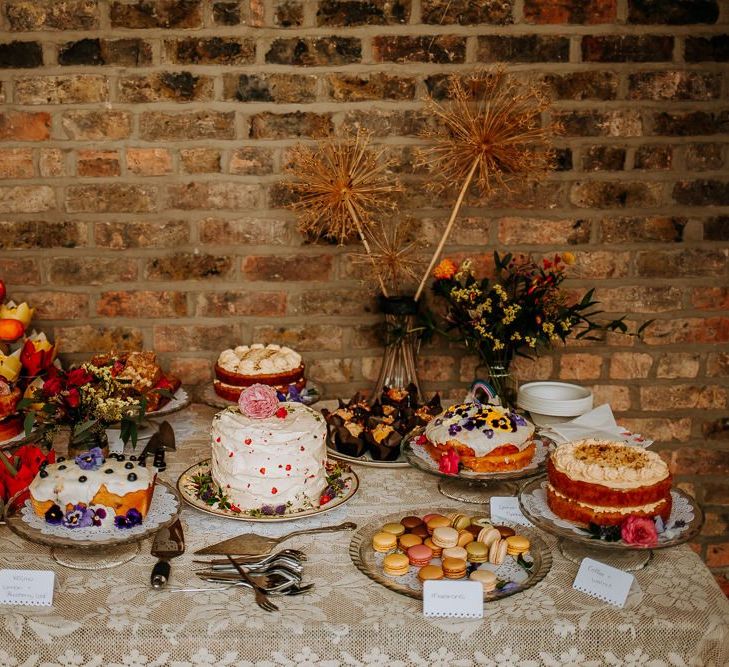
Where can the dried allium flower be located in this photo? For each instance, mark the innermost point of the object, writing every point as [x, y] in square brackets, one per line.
[341, 185]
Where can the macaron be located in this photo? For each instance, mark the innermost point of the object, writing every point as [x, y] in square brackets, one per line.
[454, 552]
[459, 521]
[437, 551]
[477, 552]
[420, 531]
[438, 522]
[464, 537]
[420, 555]
[486, 578]
[408, 540]
[396, 565]
[428, 517]
[454, 568]
[497, 552]
[430, 573]
[411, 522]
[488, 536]
[517, 544]
[505, 531]
[396, 529]
[481, 521]
[384, 542]
[444, 536]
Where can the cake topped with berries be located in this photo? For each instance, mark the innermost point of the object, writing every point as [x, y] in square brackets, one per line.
[487, 438]
[266, 452]
[91, 486]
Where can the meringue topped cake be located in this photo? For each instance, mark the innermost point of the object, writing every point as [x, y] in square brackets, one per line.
[604, 482]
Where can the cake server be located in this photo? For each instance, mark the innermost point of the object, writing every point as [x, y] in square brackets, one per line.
[250, 544]
[168, 543]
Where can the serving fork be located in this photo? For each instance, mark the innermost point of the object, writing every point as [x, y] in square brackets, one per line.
[260, 594]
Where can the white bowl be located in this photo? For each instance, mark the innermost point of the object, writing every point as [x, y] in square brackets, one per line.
[556, 399]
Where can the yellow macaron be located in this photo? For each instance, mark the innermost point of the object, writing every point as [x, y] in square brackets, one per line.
[464, 538]
[396, 529]
[517, 544]
[444, 536]
[396, 565]
[384, 542]
[430, 573]
[409, 540]
[486, 578]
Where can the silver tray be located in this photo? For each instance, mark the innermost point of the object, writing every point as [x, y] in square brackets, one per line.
[364, 558]
[367, 460]
[186, 487]
[14, 521]
[583, 537]
[485, 477]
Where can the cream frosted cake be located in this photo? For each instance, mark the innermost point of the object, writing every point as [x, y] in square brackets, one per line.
[486, 438]
[86, 490]
[269, 453]
[243, 366]
[603, 482]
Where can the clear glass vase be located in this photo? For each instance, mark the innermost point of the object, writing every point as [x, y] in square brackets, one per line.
[501, 379]
[399, 361]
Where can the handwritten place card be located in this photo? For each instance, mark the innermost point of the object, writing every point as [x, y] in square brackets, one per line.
[27, 587]
[457, 599]
[603, 582]
[506, 508]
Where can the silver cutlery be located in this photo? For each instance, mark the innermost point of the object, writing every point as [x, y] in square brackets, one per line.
[259, 593]
[168, 543]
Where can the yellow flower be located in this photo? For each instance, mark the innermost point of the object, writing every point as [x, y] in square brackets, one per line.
[22, 312]
[445, 270]
[568, 258]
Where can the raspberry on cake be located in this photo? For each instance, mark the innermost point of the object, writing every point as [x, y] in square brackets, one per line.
[68, 490]
[487, 438]
[273, 365]
[603, 482]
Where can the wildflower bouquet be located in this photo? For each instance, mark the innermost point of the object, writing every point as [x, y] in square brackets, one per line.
[87, 399]
[522, 310]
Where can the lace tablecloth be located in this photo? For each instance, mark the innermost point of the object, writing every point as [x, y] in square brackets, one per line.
[113, 617]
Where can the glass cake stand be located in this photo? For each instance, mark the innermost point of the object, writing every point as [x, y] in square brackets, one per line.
[474, 487]
[576, 543]
[109, 549]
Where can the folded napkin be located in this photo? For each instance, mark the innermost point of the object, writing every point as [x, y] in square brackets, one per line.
[597, 423]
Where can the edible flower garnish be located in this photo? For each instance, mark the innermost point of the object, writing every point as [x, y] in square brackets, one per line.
[91, 460]
[448, 463]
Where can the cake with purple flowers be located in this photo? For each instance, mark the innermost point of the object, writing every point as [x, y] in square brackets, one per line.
[91, 489]
[486, 438]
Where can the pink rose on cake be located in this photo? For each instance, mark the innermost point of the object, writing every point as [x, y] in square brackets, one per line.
[259, 401]
[639, 530]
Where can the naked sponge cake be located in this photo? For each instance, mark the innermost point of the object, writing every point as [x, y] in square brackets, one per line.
[487, 438]
[603, 482]
[274, 365]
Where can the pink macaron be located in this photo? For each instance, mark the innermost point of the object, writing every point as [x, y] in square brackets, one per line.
[420, 555]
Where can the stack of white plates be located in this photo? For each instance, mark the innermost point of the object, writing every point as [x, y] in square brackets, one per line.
[554, 399]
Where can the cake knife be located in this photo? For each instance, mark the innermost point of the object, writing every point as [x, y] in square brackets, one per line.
[168, 543]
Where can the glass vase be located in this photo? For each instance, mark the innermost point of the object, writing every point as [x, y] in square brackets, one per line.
[399, 361]
[501, 379]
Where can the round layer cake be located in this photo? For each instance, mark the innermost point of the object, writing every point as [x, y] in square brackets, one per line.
[243, 366]
[115, 484]
[488, 438]
[278, 460]
[603, 482]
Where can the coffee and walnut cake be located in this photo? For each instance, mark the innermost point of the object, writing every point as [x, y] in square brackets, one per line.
[603, 482]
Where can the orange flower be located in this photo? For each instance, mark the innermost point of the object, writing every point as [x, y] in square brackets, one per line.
[445, 270]
[568, 258]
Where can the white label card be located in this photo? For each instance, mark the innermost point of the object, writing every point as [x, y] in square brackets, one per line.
[506, 508]
[27, 587]
[457, 599]
[603, 582]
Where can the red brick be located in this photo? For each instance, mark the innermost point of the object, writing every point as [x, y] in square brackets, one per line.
[682, 397]
[601, 264]
[149, 161]
[57, 305]
[723, 582]
[275, 87]
[717, 364]
[687, 330]
[662, 429]
[593, 85]
[111, 198]
[359, 12]
[689, 263]
[97, 125]
[570, 11]
[674, 85]
[251, 161]
[189, 266]
[126, 52]
[62, 89]
[374, 86]
[630, 365]
[142, 304]
[287, 267]
[98, 163]
[435, 368]
[247, 231]
[124, 235]
[331, 370]
[716, 429]
[304, 338]
[210, 51]
[467, 230]
[580, 366]
[715, 524]
[627, 48]
[669, 12]
[31, 234]
[640, 299]
[616, 395]
[294, 124]
[313, 51]
[91, 270]
[25, 126]
[88, 338]
[191, 371]
[163, 86]
[333, 302]
[16, 163]
[591, 123]
[678, 365]
[214, 195]
[632, 194]
[52, 162]
[704, 157]
[717, 555]
[716, 493]
[157, 14]
[383, 123]
[653, 156]
[421, 48]
[20, 271]
[706, 192]
[642, 230]
[710, 298]
[200, 160]
[522, 49]
[32, 15]
[527, 370]
[241, 304]
[527, 231]
[27, 199]
[188, 126]
[194, 338]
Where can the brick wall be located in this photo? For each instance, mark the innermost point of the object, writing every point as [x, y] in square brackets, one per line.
[142, 142]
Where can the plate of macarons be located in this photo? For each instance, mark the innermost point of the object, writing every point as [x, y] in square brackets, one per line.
[401, 551]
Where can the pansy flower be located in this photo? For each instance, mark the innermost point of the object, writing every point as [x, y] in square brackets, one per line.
[54, 515]
[98, 516]
[79, 517]
[129, 520]
[91, 460]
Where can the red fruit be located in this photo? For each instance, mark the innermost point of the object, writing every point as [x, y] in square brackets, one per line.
[262, 471]
[324, 499]
[247, 441]
[281, 413]
[11, 330]
[274, 490]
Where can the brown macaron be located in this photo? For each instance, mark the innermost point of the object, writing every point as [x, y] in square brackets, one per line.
[411, 522]
[505, 531]
[454, 568]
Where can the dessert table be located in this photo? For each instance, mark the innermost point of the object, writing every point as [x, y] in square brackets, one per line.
[113, 617]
